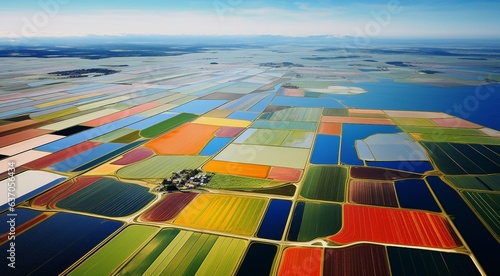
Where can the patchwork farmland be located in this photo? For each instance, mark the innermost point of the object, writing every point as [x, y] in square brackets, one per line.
[314, 169]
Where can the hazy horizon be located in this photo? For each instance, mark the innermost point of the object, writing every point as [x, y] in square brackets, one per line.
[390, 19]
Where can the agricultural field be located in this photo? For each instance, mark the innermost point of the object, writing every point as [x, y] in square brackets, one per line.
[297, 161]
[224, 213]
[325, 183]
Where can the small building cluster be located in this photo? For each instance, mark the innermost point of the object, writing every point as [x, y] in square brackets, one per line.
[185, 180]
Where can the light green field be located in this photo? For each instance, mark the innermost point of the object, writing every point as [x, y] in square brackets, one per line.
[442, 131]
[106, 138]
[160, 166]
[270, 137]
[117, 250]
[299, 139]
[175, 252]
[294, 114]
[450, 138]
[265, 155]
[307, 126]
[224, 181]
[414, 122]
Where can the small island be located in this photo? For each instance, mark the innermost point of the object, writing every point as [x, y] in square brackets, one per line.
[84, 73]
[184, 180]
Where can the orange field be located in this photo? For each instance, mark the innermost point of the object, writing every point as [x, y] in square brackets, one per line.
[330, 128]
[186, 139]
[241, 169]
[395, 226]
[301, 261]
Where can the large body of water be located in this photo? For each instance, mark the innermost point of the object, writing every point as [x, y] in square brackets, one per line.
[479, 104]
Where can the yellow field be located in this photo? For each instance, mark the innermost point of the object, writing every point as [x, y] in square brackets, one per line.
[222, 122]
[224, 213]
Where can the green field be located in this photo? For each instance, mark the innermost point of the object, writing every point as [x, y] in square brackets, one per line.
[114, 135]
[265, 155]
[270, 137]
[224, 181]
[317, 220]
[113, 253]
[462, 159]
[301, 139]
[167, 125]
[421, 122]
[160, 166]
[335, 112]
[325, 183]
[442, 131]
[294, 114]
[487, 205]
[484, 182]
[307, 126]
[459, 139]
[426, 262]
[128, 138]
[175, 252]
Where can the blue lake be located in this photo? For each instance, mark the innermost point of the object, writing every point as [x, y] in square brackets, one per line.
[404, 96]
[353, 132]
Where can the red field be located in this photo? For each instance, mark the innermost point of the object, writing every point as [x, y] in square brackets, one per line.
[50, 198]
[363, 259]
[381, 174]
[169, 207]
[372, 193]
[301, 261]
[228, 132]
[284, 174]
[21, 136]
[395, 226]
[133, 156]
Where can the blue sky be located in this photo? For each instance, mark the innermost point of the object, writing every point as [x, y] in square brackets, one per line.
[390, 18]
